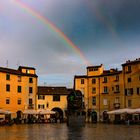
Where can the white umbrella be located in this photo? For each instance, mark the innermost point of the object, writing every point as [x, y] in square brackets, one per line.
[45, 112]
[2, 111]
[5, 111]
[119, 111]
[8, 112]
[30, 111]
[134, 111]
[137, 111]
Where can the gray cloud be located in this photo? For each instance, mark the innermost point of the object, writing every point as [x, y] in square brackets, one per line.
[104, 30]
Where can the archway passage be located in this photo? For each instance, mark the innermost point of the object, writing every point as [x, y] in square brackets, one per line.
[94, 116]
[19, 116]
[58, 115]
[105, 117]
[19, 113]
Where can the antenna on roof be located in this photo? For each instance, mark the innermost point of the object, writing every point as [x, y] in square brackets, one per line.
[7, 63]
[18, 63]
[45, 83]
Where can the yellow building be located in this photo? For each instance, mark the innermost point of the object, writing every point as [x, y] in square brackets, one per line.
[18, 89]
[131, 74]
[106, 90]
[53, 98]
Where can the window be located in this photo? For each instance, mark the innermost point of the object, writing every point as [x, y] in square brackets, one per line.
[126, 92]
[129, 103]
[41, 97]
[19, 101]
[104, 101]
[30, 101]
[117, 100]
[19, 78]
[30, 90]
[112, 88]
[138, 90]
[82, 81]
[105, 89]
[7, 100]
[27, 71]
[47, 105]
[117, 88]
[93, 100]
[95, 69]
[129, 91]
[30, 80]
[90, 69]
[19, 89]
[93, 90]
[41, 106]
[56, 97]
[7, 76]
[93, 81]
[129, 68]
[105, 80]
[129, 80]
[7, 87]
[117, 78]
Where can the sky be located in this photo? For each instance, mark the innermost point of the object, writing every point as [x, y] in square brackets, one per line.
[60, 38]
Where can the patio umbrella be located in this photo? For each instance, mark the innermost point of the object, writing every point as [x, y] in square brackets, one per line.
[136, 111]
[119, 111]
[45, 112]
[2, 111]
[30, 111]
[8, 112]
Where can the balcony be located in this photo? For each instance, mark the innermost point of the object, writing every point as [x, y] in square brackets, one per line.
[105, 93]
[128, 71]
[117, 105]
[117, 91]
[31, 106]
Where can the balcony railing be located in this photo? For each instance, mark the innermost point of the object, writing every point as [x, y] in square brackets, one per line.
[31, 106]
[105, 92]
[117, 105]
[128, 71]
[117, 91]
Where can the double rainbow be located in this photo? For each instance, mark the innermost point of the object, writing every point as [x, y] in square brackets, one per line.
[53, 28]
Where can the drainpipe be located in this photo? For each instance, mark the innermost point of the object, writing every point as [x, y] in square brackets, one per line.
[99, 100]
[124, 87]
[87, 97]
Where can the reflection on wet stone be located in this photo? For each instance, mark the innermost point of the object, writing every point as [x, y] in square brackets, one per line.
[63, 132]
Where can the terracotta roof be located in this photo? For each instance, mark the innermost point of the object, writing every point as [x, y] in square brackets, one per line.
[109, 73]
[44, 90]
[95, 66]
[137, 61]
[16, 72]
[26, 67]
[80, 76]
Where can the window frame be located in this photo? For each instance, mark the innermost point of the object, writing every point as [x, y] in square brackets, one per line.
[7, 87]
[56, 98]
[19, 89]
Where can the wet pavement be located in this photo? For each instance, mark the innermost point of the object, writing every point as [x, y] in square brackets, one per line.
[62, 132]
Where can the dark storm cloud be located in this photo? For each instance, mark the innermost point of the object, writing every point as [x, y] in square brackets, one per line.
[106, 31]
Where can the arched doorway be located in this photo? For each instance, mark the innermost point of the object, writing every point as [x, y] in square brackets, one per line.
[19, 116]
[105, 117]
[59, 114]
[93, 116]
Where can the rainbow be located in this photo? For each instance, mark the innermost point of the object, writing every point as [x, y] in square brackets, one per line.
[53, 28]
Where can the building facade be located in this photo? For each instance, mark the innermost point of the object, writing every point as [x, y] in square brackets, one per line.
[106, 90]
[53, 98]
[18, 89]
